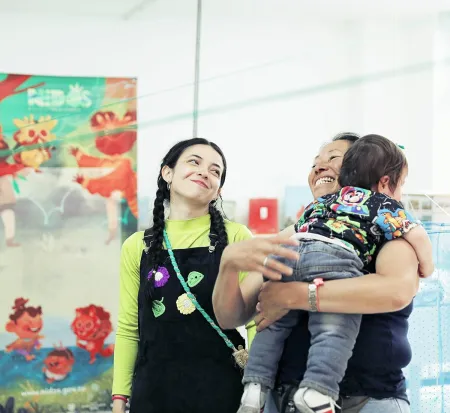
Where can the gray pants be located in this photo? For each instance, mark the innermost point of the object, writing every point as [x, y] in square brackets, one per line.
[280, 401]
[332, 335]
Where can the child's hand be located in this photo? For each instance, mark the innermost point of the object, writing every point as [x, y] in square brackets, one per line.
[426, 269]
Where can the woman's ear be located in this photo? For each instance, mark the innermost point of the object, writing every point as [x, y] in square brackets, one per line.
[167, 173]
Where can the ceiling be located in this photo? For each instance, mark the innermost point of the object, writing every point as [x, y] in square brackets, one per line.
[93, 8]
[145, 9]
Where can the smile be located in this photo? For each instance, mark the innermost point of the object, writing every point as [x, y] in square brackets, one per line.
[201, 183]
[34, 329]
[324, 180]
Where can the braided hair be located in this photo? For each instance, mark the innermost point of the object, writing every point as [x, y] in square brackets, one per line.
[163, 193]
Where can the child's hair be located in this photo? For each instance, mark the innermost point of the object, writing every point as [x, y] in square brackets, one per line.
[61, 352]
[369, 159]
[20, 308]
[163, 193]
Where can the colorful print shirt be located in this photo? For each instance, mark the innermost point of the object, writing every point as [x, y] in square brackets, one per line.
[361, 219]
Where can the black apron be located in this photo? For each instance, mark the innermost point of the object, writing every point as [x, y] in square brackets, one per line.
[183, 365]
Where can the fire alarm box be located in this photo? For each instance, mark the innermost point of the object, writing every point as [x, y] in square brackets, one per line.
[263, 216]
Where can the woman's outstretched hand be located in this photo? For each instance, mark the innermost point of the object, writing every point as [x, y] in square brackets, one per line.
[253, 255]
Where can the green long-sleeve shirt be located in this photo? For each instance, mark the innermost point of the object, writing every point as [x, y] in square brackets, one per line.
[183, 234]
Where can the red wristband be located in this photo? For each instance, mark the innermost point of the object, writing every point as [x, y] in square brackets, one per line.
[119, 397]
[314, 294]
[319, 283]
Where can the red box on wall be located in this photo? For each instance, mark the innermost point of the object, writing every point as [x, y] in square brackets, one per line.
[263, 216]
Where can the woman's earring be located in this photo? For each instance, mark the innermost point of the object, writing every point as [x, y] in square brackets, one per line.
[168, 186]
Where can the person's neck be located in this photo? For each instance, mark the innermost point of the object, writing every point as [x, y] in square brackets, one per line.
[180, 211]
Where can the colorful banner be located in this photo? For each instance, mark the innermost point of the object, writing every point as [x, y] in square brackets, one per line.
[68, 198]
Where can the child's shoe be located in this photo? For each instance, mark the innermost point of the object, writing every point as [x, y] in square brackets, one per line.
[253, 399]
[311, 401]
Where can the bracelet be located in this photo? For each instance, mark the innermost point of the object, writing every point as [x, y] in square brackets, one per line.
[313, 294]
[119, 397]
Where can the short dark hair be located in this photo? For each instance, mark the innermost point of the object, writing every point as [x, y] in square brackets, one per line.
[350, 137]
[369, 159]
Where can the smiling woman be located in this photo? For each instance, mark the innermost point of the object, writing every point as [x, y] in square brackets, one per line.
[324, 174]
[166, 322]
[323, 178]
[373, 381]
[199, 175]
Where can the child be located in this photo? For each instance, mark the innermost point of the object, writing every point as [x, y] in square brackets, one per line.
[340, 233]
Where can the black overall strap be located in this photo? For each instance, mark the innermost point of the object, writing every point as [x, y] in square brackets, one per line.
[148, 236]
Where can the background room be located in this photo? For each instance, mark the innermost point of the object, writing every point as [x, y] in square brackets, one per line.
[273, 80]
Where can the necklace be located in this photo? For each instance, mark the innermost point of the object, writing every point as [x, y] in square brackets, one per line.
[240, 354]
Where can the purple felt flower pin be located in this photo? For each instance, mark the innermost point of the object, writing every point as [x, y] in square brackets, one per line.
[161, 277]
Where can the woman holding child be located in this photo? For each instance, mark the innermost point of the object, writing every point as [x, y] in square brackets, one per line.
[373, 379]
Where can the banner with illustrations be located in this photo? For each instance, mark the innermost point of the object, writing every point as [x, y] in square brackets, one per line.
[68, 199]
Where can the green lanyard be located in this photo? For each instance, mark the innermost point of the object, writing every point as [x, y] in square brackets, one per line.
[192, 297]
[236, 352]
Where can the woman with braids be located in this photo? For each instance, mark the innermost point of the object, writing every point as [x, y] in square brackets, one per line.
[170, 354]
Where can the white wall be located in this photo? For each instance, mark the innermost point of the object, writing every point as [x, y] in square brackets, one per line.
[283, 84]
[400, 104]
[441, 106]
[368, 76]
